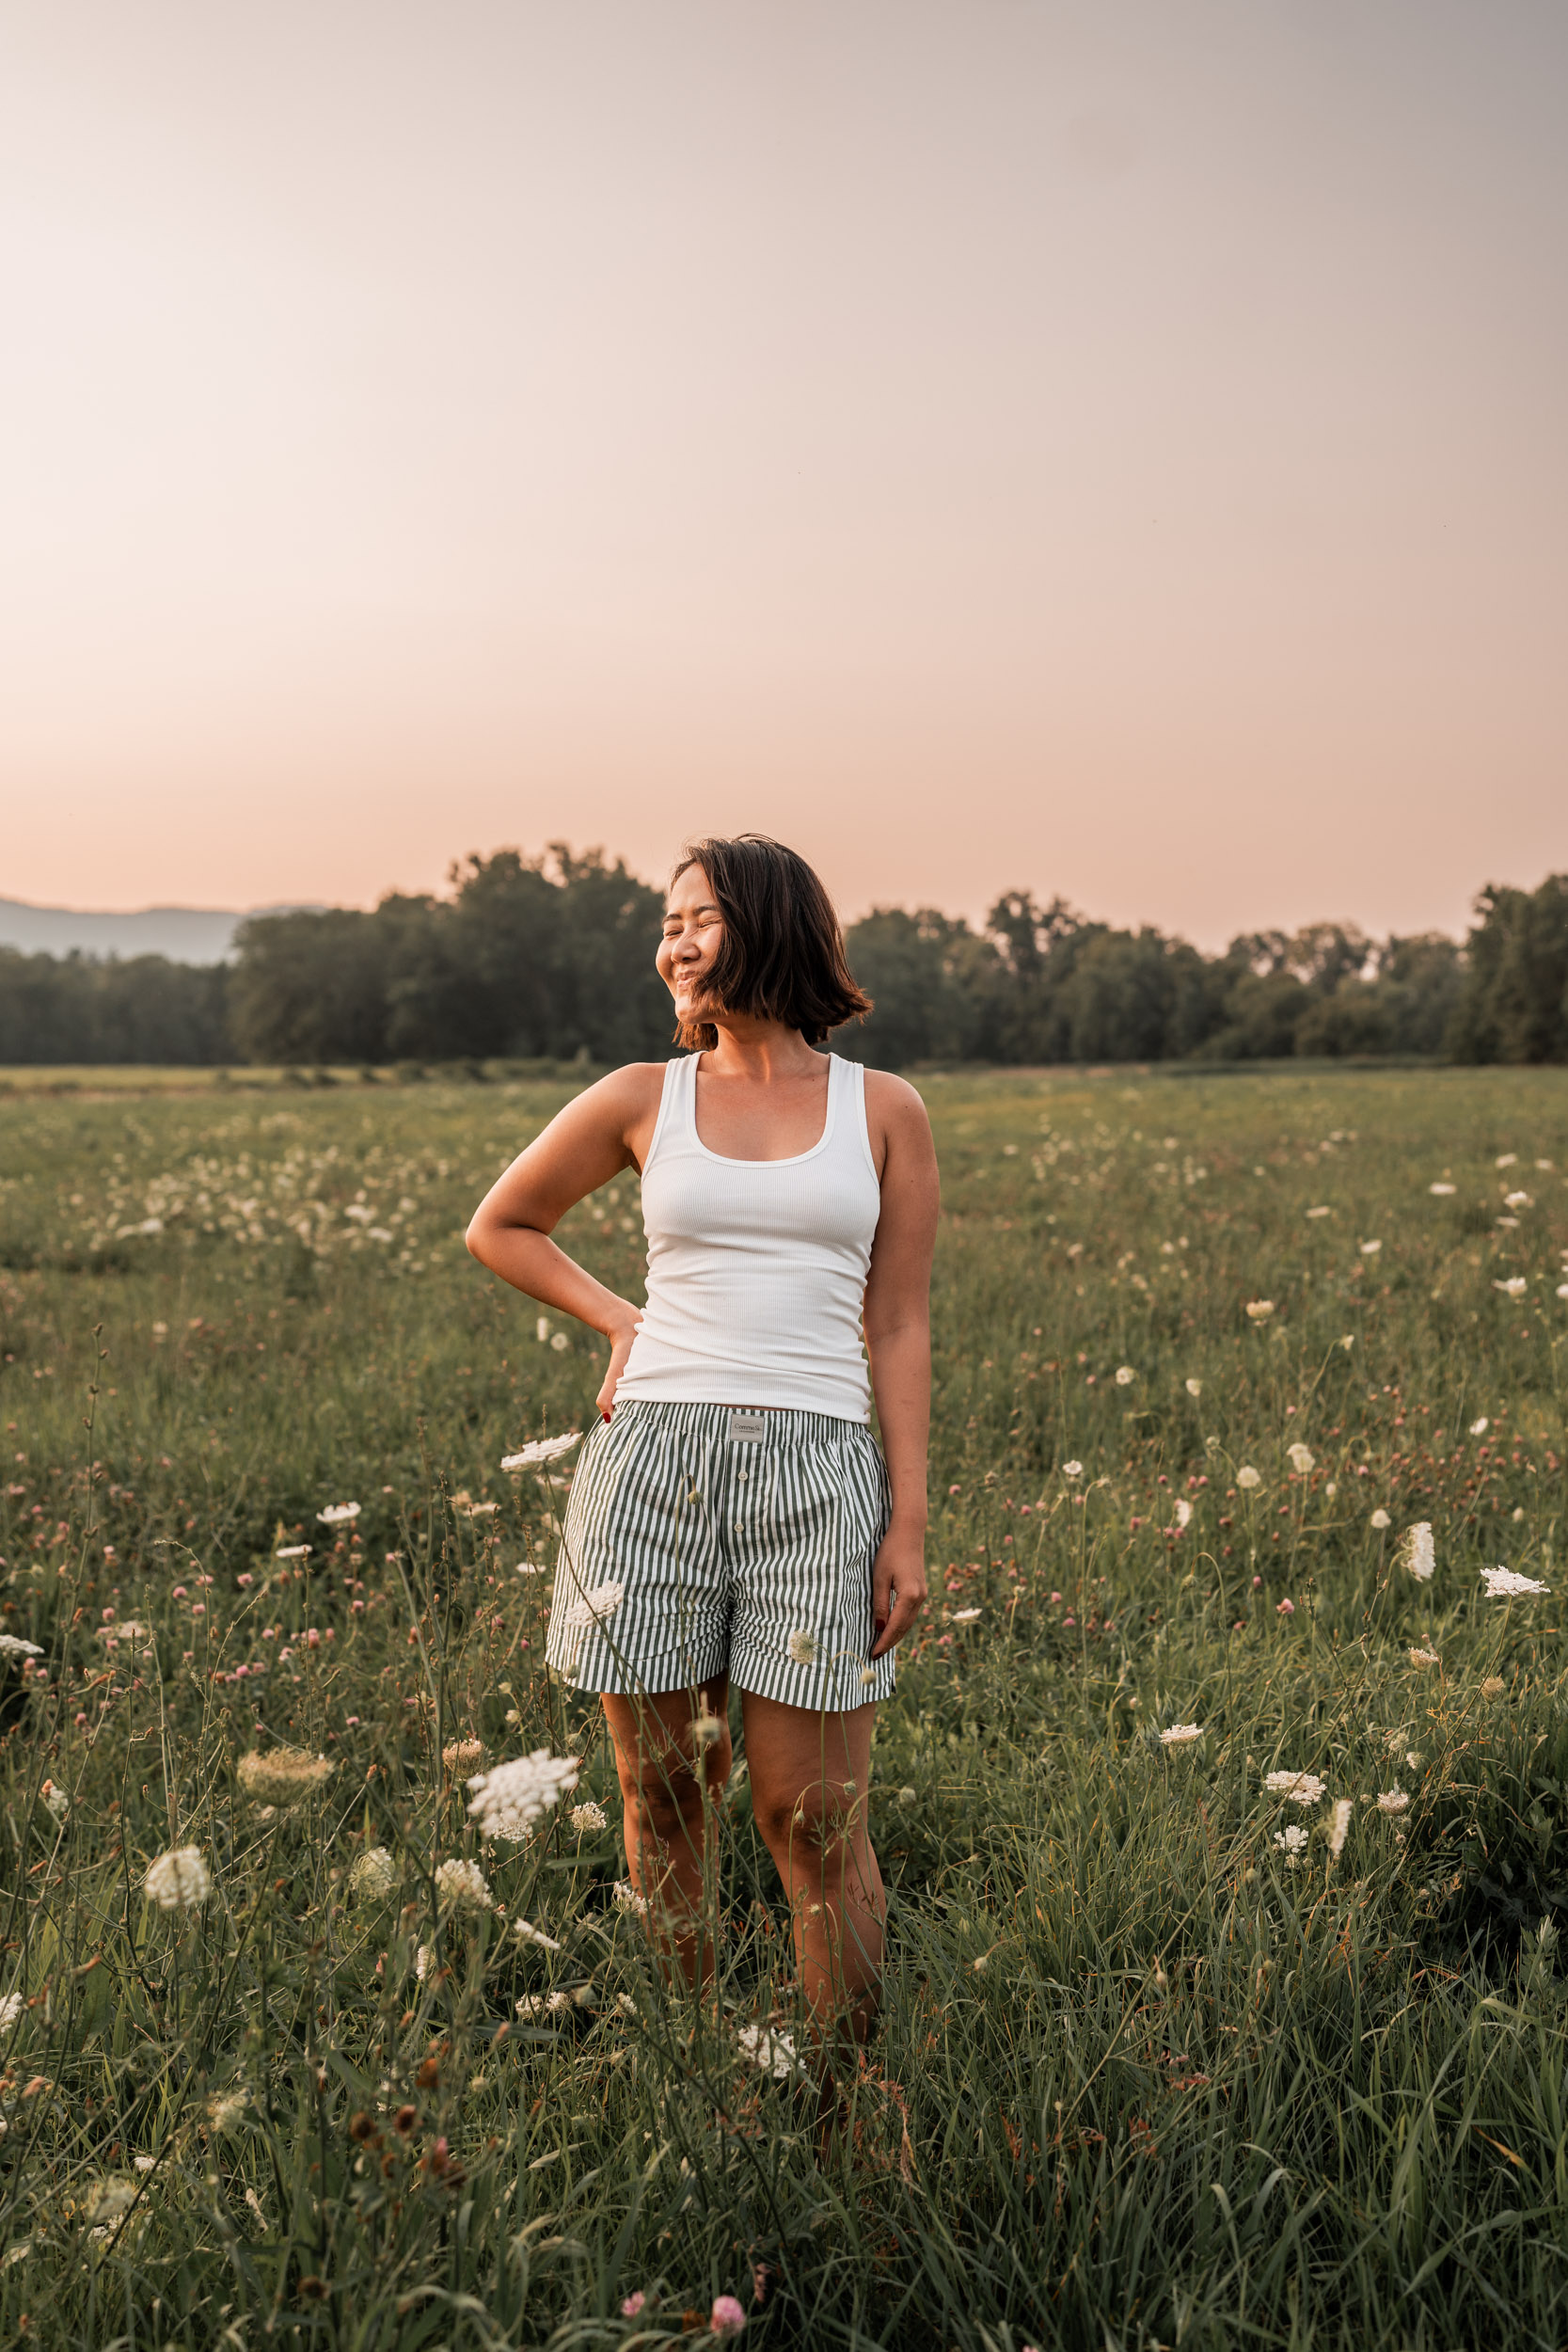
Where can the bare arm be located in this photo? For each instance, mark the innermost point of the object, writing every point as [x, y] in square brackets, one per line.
[608, 1128]
[898, 1341]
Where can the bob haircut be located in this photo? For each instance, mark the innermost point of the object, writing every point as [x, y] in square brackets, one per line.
[782, 957]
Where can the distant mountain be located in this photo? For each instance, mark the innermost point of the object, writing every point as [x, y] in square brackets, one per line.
[185, 935]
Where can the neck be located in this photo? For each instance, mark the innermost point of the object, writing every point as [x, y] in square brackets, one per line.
[762, 1050]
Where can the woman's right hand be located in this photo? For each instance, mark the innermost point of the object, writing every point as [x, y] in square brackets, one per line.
[619, 1336]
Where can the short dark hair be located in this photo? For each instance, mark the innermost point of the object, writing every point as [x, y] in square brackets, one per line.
[782, 957]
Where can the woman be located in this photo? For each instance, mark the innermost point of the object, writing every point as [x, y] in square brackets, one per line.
[731, 1516]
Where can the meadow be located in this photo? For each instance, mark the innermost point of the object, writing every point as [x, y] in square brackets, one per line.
[1225, 1820]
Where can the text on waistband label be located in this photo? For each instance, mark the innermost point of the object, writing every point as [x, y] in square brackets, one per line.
[747, 1428]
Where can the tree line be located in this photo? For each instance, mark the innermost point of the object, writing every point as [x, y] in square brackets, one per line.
[552, 957]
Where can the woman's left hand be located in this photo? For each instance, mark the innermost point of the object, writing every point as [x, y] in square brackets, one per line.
[898, 1588]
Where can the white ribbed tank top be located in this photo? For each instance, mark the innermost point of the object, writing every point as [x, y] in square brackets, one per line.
[756, 1268]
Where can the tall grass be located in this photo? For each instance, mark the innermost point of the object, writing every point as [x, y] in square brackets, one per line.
[1146, 2075]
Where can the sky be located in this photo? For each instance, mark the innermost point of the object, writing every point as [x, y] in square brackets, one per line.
[1112, 449]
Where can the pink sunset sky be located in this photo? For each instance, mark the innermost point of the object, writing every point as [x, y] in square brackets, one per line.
[1114, 449]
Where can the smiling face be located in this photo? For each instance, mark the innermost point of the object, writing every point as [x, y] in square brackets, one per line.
[693, 934]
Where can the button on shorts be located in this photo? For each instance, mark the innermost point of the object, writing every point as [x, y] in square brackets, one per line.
[704, 1540]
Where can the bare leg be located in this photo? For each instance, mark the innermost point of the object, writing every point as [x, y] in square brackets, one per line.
[810, 1773]
[671, 1760]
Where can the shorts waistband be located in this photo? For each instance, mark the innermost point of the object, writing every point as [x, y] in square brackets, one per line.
[771, 1427]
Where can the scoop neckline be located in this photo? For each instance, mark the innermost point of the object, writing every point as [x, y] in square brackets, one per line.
[793, 1159]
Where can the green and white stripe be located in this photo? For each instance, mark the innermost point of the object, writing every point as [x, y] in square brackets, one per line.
[741, 1543]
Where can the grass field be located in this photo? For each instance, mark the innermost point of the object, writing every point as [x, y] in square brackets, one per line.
[1166, 2057]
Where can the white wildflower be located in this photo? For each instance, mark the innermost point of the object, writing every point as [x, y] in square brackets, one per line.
[12, 1645]
[373, 1874]
[422, 1959]
[1300, 1788]
[1259, 1309]
[1514, 1287]
[510, 1798]
[463, 1883]
[541, 1449]
[1195, 1387]
[1380, 1519]
[587, 1817]
[1517, 1201]
[1125, 1375]
[225, 2111]
[802, 1648]
[1179, 1735]
[1370, 1248]
[1440, 1191]
[293, 1552]
[1392, 1801]
[1339, 1825]
[626, 1896]
[1479, 1428]
[1293, 1842]
[1072, 1470]
[1506, 1159]
[282, 1777]
[1247, 1478]
[1419, 1553]
[1425, 1658]
[106, 2201]
[11, 2007]
[1323, 1211]
[179, 1880]
[1501, 1583]
[55, 1799]
[1302, 1458]
[965, 1616]
[336, 1514]
[770, 2051]
[1183, 1510]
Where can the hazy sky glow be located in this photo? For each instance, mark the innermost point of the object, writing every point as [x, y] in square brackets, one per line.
[1115, 449]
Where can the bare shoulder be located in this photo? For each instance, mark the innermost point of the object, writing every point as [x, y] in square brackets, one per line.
[894, 1104]
[621, 1104]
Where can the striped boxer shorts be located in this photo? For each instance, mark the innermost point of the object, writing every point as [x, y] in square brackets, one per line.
[704, 1540]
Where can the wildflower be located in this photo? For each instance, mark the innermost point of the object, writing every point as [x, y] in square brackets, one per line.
[510, 1798]
[1380, 1519]
[1339, 1826]
[1440, 1191]
[1517, 1201]
[1425, 1658]
[728, 2317]
[1072, 1470]
[586, 1817]
[1293, 1840]
[559, 1342]
[542, 1448]
[802, 1648]
[373, 1874]
[1348, 1341]
[1370, 1248]
[626, 1896]
[908, 1796]
[1392, 1801]
[12, 1645]
[1479, 1428]
[1514, 1287]
[1259, 1309]
[337, 1513]
[773, 2053]
[225, 2109]
[1183, 1510]
[55, 1799]
[1493, 1687]
[1125, 1375]
[1300, 1788]
[282, 1777]
[1418, 1552]
[1506, 1159]
[1286, 1608]
[526, 1933]
[461, 1755]
[1323, 1211]
[1501, 1583]
[293, 1552]
[11, 2007]
[707, 1728]
[593, 1607]
[463, 1883]
[106, 2201]
[1247, 1478]
[1302, 1458]
[632, 2306]
[422, 1959]
[1195, 1387]
[1179, 1735]
[179, 1880]
[965, 1616]
[542, 1329]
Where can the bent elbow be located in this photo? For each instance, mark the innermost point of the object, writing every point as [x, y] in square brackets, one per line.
[473, 1239]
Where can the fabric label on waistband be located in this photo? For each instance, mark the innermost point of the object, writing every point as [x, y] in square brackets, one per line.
[747, 1428]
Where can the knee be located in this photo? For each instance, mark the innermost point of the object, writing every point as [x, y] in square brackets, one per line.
[815, 1820]
[664, 1787]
